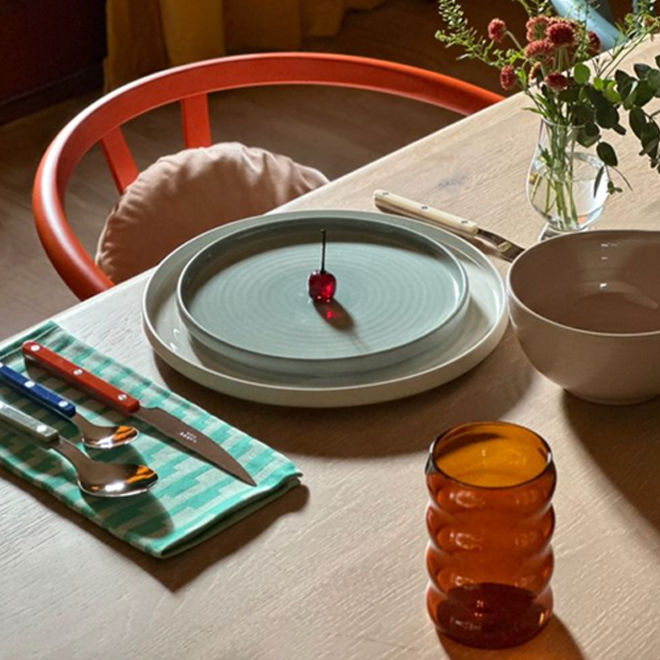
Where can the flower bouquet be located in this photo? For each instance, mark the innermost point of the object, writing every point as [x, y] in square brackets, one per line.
[570, 175]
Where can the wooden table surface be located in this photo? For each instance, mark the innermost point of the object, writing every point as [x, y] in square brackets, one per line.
[335, 569]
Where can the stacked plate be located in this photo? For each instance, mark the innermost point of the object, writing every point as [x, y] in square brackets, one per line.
[414, 308]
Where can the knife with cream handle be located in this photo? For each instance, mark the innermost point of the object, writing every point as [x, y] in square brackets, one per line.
[392, 203]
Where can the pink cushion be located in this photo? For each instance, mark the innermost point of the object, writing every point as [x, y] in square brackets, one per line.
[183, 195]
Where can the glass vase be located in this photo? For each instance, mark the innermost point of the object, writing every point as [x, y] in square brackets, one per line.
[563, 184]
[490, 521]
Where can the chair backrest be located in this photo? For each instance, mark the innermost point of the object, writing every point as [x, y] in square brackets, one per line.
[190, 85]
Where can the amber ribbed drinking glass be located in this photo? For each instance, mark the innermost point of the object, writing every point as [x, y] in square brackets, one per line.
[490, 521]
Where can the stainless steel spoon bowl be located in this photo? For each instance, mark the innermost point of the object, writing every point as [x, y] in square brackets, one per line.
[94, 477]
[106, 479]
[104, 437]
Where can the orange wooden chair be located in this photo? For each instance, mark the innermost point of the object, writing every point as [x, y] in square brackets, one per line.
[190, 85]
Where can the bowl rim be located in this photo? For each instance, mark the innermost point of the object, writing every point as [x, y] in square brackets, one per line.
[579, 236]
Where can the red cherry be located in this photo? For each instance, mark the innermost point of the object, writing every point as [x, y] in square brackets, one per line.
[322, 286]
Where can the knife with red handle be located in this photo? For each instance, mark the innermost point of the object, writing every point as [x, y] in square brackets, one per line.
[99, 389]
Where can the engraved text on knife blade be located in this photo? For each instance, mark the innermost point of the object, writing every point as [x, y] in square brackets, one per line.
[173, 427]
[195, 440]
[188, 435]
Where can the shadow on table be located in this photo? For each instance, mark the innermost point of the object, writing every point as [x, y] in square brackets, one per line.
[628, 453]
[408, 425]
[555, 642]
[175, 572]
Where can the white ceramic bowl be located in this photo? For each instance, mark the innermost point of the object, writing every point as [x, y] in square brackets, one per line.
[586, 310]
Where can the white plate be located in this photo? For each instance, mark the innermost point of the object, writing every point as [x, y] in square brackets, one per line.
[483, 326]
[399, 293]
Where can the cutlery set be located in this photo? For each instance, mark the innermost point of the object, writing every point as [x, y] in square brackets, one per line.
[94, 477]
[99, 478]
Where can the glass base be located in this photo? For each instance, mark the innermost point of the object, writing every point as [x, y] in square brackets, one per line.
[488, 615]
[549, 231]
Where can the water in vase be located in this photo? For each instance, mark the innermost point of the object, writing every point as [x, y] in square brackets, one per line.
[568, 200]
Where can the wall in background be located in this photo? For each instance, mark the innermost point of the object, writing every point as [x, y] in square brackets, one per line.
[50, 50]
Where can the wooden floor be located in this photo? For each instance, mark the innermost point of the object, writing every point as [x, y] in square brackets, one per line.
[334, 130]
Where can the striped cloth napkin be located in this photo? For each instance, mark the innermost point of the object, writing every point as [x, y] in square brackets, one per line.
[191, 501]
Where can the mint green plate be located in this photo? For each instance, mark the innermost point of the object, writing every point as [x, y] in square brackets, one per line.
[245, 296]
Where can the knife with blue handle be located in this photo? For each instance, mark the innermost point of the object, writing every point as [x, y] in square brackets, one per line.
[187, 436]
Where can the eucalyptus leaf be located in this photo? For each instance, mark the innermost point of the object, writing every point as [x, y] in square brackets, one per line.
[622, 77]
[644, 94]
[597, 99]
[650, 148]
[650, 132]
[588, 139]
[653, 79]
[581, 73]
[607, 154]
[608, 117]
[583, 114]
[630, 97]
[569, 96]
[599, 178]
[641, 70]
[591, 129]
[624, 83]
[637, 120]
[612, 95]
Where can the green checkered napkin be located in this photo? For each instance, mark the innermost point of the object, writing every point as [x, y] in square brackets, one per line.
[191, 501]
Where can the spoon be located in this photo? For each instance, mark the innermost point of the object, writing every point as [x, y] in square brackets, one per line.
[94, 477]
[93, 435]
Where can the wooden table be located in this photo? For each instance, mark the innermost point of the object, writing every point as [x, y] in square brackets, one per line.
[335, 569]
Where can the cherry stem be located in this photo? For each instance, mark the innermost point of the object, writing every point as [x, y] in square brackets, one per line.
[322, 250]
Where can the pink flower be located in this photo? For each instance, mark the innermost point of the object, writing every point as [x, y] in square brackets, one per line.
[497, 30]
[594, 43]
[536, 27]
[541, 49]
[508, 78]
[557, 81]
[561, 33]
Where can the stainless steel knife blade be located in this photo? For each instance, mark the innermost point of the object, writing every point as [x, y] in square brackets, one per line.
[194, 440]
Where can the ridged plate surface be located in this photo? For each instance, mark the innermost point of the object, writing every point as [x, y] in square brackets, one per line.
[245, 296]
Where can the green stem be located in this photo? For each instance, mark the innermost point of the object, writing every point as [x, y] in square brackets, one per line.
[515, 41]
[558, 172]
